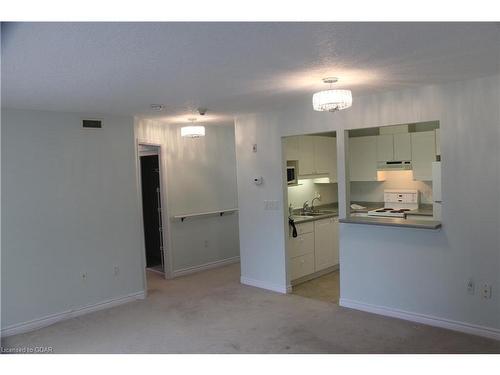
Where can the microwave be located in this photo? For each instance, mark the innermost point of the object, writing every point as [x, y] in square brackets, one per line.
[291, 176]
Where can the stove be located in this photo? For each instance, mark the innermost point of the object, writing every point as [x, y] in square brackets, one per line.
[397, 202]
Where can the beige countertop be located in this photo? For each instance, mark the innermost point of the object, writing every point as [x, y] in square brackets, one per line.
[393, 222]
[331, 210]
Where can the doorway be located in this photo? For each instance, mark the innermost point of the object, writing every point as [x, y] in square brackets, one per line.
[311, 229]
[151, 193]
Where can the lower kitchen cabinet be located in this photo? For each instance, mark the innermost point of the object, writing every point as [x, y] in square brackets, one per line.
[315, 248]
[302, 265]
[326, 245]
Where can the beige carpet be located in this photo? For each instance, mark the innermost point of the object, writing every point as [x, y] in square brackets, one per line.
[325, 288]
[210, 312]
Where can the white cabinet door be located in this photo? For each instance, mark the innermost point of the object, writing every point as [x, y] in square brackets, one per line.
[333, 159]
[423, 153]
[402, 146]
[325, 244]
[306, 155]
[301, 245]
[323, 155]
[363, 158]
[438, 141]
[385, 147]
[301, 266]
[292, 148]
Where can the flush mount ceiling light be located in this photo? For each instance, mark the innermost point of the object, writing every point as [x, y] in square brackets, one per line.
[193, 131]
[332, 100]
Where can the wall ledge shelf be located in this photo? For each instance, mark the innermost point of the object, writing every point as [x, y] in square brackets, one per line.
[208, 213]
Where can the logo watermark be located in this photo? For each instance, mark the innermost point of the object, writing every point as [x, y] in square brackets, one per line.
[26, 349]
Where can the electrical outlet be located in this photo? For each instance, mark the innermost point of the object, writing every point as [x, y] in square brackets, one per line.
[205, 243]
[84, 276]
[272, 205]
[471, 286]
[486, 291]
[116, 270]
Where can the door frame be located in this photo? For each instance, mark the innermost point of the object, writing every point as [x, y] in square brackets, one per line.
[166, 240]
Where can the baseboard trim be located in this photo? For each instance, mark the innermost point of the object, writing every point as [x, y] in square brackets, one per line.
[48, 320]
[314, 275]
[283, 289]
[206, 266]
[453, 325]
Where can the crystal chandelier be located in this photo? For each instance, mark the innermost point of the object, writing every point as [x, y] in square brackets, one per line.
[332, 100]
[193, 131]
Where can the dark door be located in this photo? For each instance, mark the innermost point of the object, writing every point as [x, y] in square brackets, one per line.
[151, 207]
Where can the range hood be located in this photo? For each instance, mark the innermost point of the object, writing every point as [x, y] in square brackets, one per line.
[400, 165]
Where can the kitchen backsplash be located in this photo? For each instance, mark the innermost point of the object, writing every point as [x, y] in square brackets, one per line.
[297, 195]
[373, 191]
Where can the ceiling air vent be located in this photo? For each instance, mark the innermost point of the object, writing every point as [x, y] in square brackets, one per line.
[95, 124]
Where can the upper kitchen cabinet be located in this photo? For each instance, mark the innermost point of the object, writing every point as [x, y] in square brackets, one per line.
[385, 147]
[438, 141]
[292, 148]
[363, 158]
[394, 147]
[325, 156]
[306, 155]
[317, 156]
[402, 146]
[423, 153]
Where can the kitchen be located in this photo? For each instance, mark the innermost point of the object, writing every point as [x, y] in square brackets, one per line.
[394, 173]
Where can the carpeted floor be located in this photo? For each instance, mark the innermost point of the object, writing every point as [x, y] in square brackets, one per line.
[325, 288]
[211, 312]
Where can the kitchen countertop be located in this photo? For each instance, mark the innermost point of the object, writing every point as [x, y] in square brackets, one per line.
[298, 219]
[423, 210]
[393, 222]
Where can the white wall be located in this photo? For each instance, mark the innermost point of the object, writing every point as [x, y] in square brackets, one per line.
[307, 190]
[420, 271]
[69, 205]
[199, 176]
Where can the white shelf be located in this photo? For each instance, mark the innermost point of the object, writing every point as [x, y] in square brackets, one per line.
[220, 213]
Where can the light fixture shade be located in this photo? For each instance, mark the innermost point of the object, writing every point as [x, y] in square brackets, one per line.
[332, 100]
[193, 131]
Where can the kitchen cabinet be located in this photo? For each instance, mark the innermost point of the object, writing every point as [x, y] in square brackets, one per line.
[306, 155]
[301, 251]
[315, 248]
[437, 133]
[423, 153]
[317, 156]
[402, 146]
[363, 158]
[325, 157]
[301, 266]
[292, 148]
[326, 246]
[385, 147]
[392, 147]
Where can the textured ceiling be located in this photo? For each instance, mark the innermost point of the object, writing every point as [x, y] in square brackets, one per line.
[122, 68]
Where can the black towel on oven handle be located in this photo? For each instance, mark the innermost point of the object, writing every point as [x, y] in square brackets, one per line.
[292, 224]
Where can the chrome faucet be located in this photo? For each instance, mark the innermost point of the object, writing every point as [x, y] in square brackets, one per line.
[312, 202]
[305, 207]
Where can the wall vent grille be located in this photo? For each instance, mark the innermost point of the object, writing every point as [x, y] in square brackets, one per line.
[95, 124]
